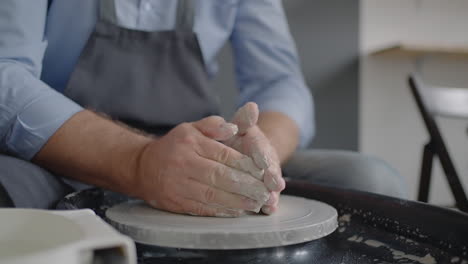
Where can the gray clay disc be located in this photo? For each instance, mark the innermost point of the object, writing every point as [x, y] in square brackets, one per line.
[297, 220]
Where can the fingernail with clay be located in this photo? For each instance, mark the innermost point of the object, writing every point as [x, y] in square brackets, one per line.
[272, 183]
[246, 117]
[267, 210]
[229, 128]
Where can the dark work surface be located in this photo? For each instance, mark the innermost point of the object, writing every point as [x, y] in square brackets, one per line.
[5, 200]
[373, 229]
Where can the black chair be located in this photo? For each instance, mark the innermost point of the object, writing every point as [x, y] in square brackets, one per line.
[432, 101]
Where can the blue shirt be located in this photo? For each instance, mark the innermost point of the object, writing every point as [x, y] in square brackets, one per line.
[39, 47]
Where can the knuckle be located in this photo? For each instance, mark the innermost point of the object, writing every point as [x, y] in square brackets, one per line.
[199, 210]
[187, 139]
[210, 195]
[218, 171]
[175, 161]
[184, 126]
[215, 173]
[212, 179]
[223, 155]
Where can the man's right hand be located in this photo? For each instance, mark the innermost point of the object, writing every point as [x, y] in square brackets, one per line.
[188, 171]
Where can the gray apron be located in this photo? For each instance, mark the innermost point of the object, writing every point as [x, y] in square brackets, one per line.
[149, 80]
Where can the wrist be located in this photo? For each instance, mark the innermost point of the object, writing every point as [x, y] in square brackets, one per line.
[128, 164]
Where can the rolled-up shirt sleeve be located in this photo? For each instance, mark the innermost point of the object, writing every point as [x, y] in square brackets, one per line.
[30, 110]
[267, 66]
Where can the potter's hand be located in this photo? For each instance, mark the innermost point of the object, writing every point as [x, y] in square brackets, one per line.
[251, 141]
[189, 171]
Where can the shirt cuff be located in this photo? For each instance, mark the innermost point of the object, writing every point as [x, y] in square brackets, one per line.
[37, 122]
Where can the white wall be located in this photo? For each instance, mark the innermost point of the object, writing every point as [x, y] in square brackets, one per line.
[390, 124]
[415, 21]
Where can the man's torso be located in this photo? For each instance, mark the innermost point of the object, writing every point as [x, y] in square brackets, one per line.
[69, 24]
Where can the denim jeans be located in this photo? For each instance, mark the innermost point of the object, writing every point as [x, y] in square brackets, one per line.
[346, 169]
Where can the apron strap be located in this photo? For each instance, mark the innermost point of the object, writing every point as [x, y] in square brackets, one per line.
[185, 15]
[107, 11]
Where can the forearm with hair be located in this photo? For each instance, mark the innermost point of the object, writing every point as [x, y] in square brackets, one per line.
[94, 150]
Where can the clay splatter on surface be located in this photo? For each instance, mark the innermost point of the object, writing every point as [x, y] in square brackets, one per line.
[458, 260]
[355, 239]
[401, 244]
[374, 243]
[427, 259]
[397, 255]
[343, 222]
[345, 218]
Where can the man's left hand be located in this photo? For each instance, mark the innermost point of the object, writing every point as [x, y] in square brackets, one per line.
[251, 141]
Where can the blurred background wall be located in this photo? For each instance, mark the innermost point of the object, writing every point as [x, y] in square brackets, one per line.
[390, 124]
[365, 104]
[327, 38]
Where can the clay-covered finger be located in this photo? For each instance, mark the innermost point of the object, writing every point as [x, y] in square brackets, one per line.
[273, 179]
[274, 199]
[215, 127]
[247, 164]
[272, 205]
[214, 197]
[223, 154]
[260, 157]
[258, 148]
[246, 117]
[232, 180]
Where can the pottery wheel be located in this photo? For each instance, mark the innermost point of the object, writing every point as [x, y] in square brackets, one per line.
[298, 220]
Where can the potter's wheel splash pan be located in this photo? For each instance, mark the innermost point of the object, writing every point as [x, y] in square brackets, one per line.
[372, 229]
